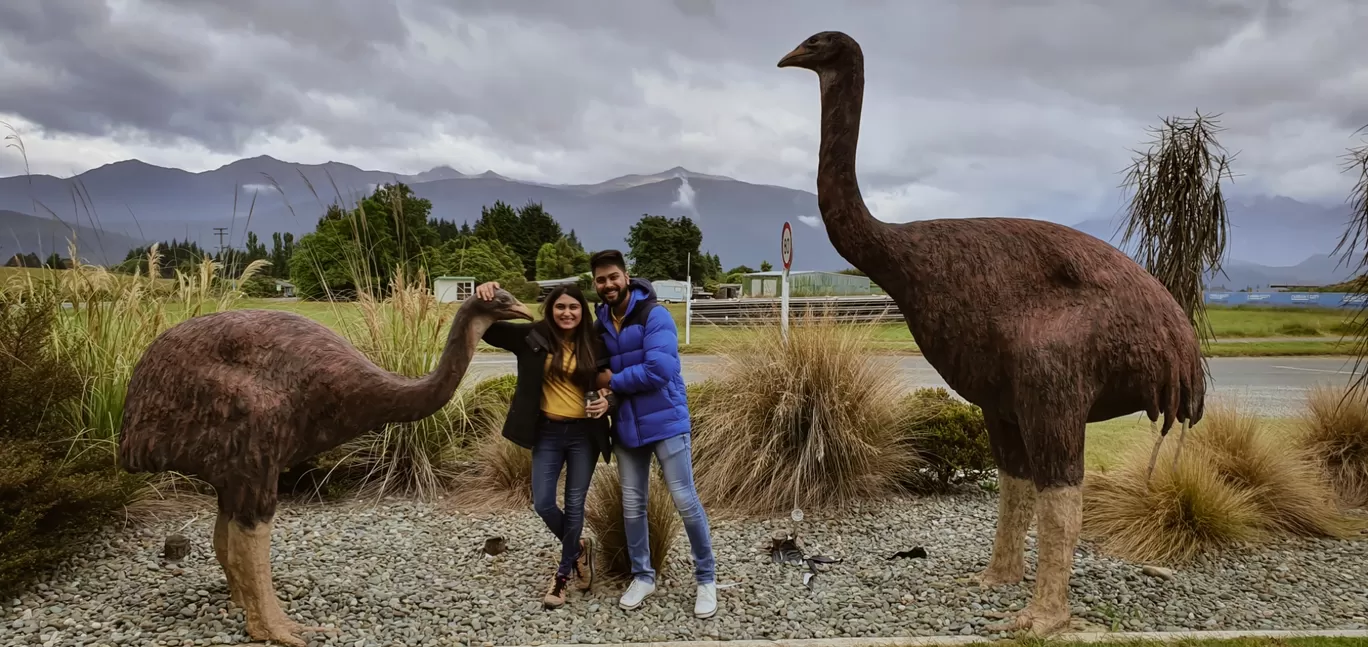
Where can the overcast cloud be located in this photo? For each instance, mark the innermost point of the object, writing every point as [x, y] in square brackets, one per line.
[973, 107]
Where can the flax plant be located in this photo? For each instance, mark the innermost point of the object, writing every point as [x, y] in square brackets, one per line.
[1178, 211]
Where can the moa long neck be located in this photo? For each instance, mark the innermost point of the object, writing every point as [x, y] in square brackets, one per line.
[408, 399]
[855, 233]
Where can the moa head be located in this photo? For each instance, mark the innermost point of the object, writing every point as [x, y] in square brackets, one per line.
[823, 51]
[502, 307]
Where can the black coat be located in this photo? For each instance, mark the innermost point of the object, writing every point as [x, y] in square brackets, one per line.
[531, 347]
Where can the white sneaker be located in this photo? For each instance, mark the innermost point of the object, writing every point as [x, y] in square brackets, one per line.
[635, 594]
[706, 605]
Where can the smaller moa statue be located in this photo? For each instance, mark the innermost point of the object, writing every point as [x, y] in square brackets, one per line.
[235, 397]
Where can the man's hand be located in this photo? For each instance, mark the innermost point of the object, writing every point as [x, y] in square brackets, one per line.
[486, 290]
[597, 408]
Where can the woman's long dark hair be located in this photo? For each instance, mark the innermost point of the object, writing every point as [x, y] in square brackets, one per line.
[581, 338]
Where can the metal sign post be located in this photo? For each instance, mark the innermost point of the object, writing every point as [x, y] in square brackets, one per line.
[786, 254]
[688, 298]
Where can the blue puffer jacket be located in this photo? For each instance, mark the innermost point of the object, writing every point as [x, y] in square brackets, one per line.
[647, 381]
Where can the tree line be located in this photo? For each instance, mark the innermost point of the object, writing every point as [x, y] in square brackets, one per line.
[359, 249]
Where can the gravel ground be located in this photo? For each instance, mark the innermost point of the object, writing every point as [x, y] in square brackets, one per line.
[413, 574]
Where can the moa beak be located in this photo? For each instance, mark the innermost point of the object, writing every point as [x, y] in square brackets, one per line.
[793, 58]
[522, 311]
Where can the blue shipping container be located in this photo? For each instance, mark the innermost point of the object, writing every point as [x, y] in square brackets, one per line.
[1303, 299]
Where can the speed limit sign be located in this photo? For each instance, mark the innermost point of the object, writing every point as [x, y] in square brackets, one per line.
[786, 246]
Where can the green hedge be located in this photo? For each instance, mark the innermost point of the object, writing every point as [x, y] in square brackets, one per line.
[950, 437]
[54, 495]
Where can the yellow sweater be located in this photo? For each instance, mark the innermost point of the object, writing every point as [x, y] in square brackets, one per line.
[560, 397]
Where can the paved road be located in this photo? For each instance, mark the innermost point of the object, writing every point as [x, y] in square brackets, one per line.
[1272, 386]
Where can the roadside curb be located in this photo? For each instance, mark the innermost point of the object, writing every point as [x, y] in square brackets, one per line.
[948, 641]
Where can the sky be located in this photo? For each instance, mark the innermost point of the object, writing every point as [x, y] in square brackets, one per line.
[972, 107]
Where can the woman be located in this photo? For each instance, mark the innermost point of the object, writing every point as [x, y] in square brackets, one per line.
[557, 412]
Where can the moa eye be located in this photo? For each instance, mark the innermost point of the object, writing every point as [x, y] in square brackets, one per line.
[812, 40]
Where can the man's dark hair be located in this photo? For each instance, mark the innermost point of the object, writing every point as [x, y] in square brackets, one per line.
[607, 257]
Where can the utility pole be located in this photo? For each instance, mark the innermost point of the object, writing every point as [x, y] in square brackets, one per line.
[220, 232]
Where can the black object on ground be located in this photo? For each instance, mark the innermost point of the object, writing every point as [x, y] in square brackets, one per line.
[495, 545]
[916, 553]
[787, 550]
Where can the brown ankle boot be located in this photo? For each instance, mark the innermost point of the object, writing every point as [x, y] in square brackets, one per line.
[584, 566]
[555, 597]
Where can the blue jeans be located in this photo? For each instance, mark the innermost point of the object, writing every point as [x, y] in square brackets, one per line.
[562, 444]
[676, 463]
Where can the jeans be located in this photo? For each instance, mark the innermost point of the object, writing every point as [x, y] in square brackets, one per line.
[562, 444]
[676, 464]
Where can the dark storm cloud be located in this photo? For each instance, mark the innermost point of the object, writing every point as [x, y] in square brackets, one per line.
[1030, 97]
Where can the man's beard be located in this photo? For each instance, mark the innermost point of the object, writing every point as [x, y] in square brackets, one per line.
[621, 297]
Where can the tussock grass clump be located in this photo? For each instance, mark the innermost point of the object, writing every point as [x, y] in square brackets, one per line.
[603, 517]
[1181, 514]
[499, 479]
[1286, 484]
[500, 476]
[1237, 481]
[1334, 432]
[810, 422]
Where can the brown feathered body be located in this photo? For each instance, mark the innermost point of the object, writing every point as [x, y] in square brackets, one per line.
[998, 305]
[236, 397]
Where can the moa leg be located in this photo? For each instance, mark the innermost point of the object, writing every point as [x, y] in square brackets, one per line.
[250, 513]
[1016, 505]
[221, 552]
[1154, 454]
[1055, 448]
[1177, 451]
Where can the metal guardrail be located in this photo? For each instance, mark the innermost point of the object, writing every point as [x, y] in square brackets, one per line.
[753, 311]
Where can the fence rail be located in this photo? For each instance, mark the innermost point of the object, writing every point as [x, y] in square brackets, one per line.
[882, 309]
[736, 312]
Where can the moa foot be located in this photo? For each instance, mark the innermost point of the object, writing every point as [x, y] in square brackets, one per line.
[994, 577]
[1034, 621]
[283, 630]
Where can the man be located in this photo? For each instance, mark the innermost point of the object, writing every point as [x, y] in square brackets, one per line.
[652, 420]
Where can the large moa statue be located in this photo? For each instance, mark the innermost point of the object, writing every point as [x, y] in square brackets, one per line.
[1042, 326]
[234, 398]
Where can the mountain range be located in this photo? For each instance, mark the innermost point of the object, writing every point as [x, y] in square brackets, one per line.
[119, 206]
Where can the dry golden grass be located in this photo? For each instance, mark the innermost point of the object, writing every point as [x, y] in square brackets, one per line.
[500, 479]
[1181, 514]
[1334, 431]
[812, 422]
[1238, 481]
[1289, 488]
[603, 518]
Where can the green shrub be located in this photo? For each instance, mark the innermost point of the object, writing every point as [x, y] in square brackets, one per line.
[950, 437]
[54, 496]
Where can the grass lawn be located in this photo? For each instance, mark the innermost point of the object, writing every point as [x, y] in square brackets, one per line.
[1237, 642]
[1107, 441]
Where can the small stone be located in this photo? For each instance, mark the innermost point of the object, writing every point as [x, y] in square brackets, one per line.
[1158, 571]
